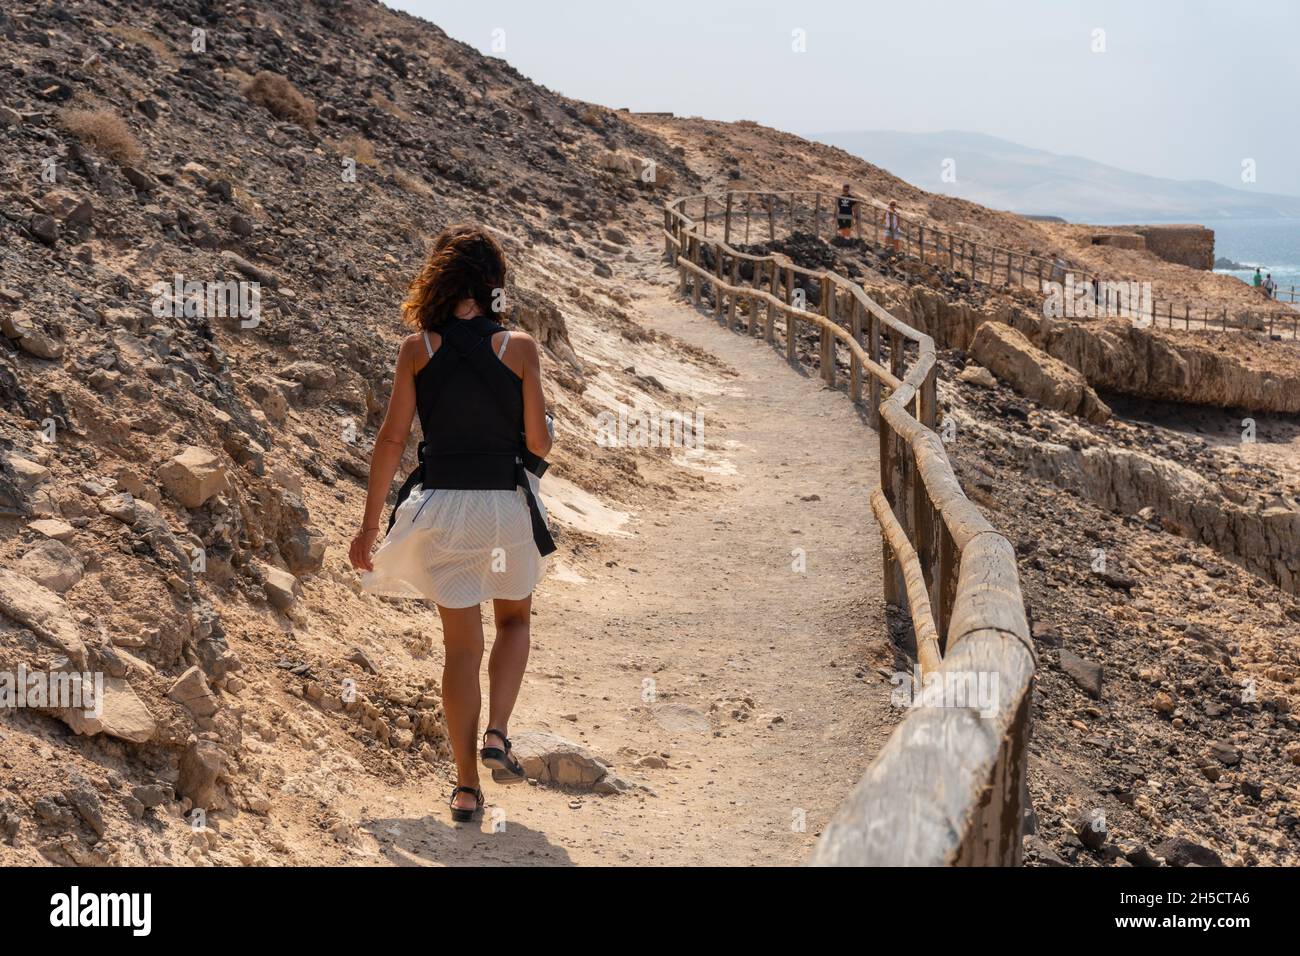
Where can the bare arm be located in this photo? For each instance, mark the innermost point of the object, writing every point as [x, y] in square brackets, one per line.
[536, 436]
[387, 454]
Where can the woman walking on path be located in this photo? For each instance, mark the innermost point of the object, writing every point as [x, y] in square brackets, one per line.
[468, 526]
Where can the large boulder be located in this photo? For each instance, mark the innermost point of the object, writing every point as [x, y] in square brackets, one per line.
[193, 476]
[53, 564]
[192, 692]
[201, 765]
[120, 713]
[44, 612]
[30, 337]
[1033, 373]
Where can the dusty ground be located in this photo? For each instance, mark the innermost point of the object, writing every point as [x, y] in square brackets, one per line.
[692, 639]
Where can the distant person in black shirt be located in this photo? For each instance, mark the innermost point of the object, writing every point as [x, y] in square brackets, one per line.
[844, 206]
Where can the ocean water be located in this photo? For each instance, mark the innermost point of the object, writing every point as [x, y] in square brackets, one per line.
[1271, 244]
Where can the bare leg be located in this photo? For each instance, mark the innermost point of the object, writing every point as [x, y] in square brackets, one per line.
[462, 635]
[508, 659]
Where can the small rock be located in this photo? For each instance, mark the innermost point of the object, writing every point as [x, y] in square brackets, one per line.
[281, 587]
[1140, 856]
[153, 794]
[53, 528]
[45, 228]
[550, 758]
[88, 807]
[1179, 851]
[1085, 673]
[120, 506]
[977, 375]
[29, 473]
[1090, 828]
[1225, 753]
[310, 374]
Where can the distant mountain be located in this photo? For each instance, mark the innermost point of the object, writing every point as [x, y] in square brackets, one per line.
[1004, 175]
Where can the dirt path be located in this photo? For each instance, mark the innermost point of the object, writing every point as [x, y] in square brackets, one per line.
[753, 689]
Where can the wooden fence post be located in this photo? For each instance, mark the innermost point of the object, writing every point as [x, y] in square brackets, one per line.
[893, 591]
[726, 222]
[683, 252]
[873, 352]
[855, 367]
[695, 258]
[828, 340]
[791, 316]
[718, 271]
[731, 296]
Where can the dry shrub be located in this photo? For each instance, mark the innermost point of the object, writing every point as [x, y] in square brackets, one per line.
[391, 108]
[359, 148]
[144, 39]
[412, 184]
[105, 131]
[281, 97]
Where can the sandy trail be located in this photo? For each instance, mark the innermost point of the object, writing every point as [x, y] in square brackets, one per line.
[697, 643]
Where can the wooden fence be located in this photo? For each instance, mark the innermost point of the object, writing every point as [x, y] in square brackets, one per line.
[949, 785]
[985, 263]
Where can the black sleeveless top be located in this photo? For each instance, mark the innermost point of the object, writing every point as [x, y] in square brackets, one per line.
[471, 408]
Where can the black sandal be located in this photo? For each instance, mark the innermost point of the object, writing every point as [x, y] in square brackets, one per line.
[461, 815]
[505, 768]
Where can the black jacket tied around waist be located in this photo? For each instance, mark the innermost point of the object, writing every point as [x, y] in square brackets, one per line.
[471, 409]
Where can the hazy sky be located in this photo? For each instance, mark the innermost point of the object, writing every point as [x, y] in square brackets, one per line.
[1186, 90]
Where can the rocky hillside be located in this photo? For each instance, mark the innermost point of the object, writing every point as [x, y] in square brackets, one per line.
[180, 472]
[209, 214]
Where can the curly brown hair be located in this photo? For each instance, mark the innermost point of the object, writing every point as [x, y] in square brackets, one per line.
[466, 262]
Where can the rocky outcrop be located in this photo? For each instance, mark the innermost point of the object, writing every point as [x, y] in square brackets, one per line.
[1260, 535]
[1119, 357]
[1014, 359]
[1116, 356]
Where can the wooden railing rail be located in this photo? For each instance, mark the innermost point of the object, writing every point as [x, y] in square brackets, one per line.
[948, 788]
[984, 262]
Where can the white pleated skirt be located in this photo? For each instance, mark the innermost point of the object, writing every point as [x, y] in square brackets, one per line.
[459, 548]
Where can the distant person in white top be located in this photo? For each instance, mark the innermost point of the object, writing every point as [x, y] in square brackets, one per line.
[1058, 268]
[1270, 287]
[891, 225]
